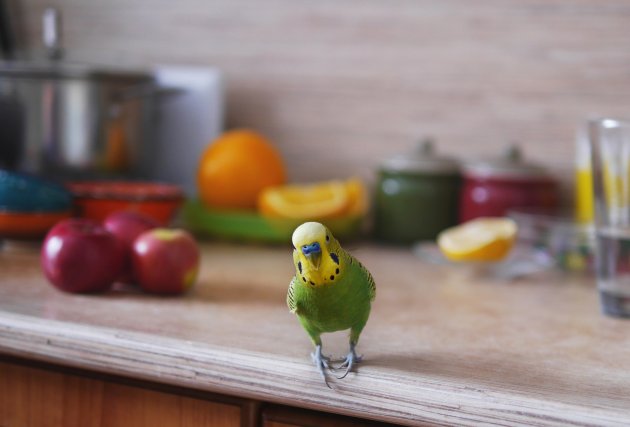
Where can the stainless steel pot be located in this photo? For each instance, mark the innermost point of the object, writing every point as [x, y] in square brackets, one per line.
[72, 121]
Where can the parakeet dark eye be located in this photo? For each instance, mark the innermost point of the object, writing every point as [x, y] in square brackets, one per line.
[327, 238]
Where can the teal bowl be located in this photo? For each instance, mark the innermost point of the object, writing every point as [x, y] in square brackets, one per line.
[25, 193]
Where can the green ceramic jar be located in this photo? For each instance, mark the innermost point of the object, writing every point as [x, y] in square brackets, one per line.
[416, 196]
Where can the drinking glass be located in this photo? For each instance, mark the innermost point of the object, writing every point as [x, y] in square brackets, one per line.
[610, 157]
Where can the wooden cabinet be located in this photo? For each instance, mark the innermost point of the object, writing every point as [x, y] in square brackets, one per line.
[284, 416]
[31, 396]
[34, 394]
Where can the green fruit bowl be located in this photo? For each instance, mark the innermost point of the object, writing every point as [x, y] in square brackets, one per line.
[251, 227]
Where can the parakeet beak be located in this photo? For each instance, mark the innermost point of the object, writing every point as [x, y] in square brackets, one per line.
[315, 259]
[313, 254]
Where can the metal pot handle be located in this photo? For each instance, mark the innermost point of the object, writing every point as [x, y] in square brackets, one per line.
[144, 90]
[51, 33]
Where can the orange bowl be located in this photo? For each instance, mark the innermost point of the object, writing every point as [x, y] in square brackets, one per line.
[29, 225]
[97, 199]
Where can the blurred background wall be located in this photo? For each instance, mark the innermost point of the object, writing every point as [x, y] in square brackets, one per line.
[339, 85]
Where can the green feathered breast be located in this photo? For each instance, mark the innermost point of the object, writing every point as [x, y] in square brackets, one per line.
[335, 297]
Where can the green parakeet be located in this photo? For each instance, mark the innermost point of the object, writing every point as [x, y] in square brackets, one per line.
[331, 291]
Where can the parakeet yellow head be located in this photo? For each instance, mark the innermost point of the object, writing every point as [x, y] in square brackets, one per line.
[316, 253]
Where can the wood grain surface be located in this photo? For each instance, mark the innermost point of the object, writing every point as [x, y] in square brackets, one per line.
[341, 85]
[444, 345]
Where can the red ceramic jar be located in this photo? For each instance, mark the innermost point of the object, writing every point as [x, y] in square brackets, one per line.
[492, 187]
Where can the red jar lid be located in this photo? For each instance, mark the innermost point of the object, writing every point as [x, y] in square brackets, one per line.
[510, 165]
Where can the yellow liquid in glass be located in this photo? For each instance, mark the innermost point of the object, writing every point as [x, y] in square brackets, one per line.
[584, 196]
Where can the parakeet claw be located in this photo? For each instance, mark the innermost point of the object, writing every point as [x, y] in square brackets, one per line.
[322, 363]
[349, 362]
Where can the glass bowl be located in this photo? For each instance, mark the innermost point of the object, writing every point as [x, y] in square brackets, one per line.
[558, 236]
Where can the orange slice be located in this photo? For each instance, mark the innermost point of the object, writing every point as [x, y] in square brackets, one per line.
[358, 197]
[329, 199]
[482, 239]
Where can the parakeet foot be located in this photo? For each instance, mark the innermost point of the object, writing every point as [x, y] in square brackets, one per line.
[349, 362]
[322, 363]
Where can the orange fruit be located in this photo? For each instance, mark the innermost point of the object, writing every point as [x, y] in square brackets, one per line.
[330, 199]
[236, 167]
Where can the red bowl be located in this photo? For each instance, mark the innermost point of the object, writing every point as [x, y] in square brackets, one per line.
[97, 199]
[28, 225]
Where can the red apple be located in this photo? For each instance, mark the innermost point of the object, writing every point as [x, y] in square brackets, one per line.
[127, 226]
[165, 261]
[79, 255]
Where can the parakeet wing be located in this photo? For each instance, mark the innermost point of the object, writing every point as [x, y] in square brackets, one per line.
[368, 276]
[291, 298]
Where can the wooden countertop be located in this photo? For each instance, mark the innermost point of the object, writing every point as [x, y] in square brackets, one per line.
[443, 345]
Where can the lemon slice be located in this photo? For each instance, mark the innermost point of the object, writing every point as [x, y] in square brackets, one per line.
[482, 239]
[322, 200]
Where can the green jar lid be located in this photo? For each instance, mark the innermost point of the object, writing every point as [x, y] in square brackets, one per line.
[423, 160]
